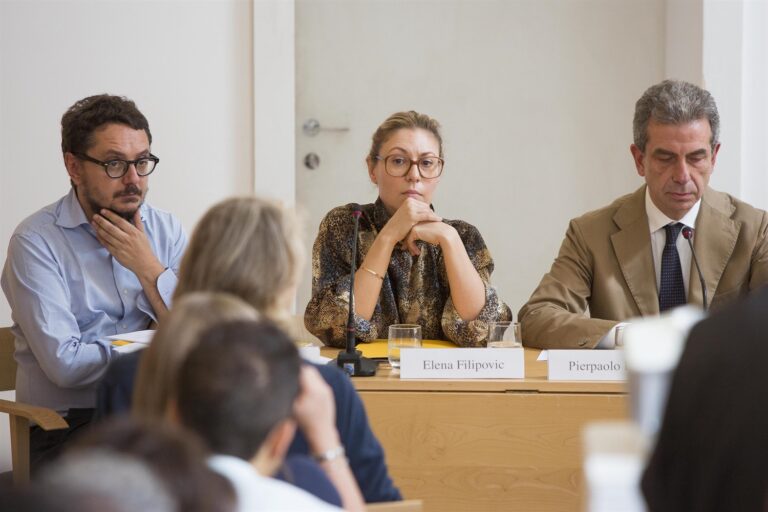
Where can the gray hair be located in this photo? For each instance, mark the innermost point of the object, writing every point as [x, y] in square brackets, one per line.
[674, 102]
[108, 481]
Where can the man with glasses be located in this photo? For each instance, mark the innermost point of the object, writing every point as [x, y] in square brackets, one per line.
[97, 262]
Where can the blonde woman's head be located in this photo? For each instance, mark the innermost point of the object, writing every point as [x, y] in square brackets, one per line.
[249, 247]
[176, 336]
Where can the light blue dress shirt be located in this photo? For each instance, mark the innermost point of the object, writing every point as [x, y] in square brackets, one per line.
[66, 292]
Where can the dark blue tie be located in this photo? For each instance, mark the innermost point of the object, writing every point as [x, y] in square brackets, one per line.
[672, 288]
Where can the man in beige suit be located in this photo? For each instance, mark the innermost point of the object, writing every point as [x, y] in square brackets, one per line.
[616, 262]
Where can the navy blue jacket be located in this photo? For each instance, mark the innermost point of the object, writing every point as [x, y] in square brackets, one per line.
[366, 456]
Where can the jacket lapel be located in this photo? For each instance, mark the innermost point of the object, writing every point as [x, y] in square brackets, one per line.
[632, 247]
[714, 241]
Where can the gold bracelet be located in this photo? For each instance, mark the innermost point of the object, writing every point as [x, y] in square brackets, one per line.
[374, 274]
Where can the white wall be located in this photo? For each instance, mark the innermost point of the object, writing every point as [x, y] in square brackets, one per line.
[188, 66]
[684, 35]
[274, 99]
[723, 46]
[755, 104]
[735, 69]
[722, 71]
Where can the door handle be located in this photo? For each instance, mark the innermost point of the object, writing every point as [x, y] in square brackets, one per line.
[312, 127]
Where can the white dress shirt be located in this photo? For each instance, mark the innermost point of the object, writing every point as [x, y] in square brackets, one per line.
[256, 493]
[656, 222]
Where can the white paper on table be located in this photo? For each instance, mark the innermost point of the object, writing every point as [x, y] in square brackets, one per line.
[129, 347]
[318, 359]
[543, 356]
[144, 337]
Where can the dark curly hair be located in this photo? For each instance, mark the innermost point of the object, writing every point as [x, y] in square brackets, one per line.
[86, 115]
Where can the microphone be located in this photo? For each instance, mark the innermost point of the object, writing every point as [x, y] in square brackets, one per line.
[350, 359]
[688, 235]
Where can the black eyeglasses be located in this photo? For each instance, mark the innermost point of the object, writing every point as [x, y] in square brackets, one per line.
[117, 168]
[429, 167]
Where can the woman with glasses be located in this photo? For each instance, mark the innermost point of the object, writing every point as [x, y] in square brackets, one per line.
[413, 266]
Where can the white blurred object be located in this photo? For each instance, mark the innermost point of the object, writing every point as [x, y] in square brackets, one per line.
[652, 348]
[614, 457]
[311, 353]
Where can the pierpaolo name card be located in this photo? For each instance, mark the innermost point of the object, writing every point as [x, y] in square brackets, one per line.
[586, 365]
[462, 363]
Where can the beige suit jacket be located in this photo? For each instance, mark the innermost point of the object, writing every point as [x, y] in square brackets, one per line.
[604, 273]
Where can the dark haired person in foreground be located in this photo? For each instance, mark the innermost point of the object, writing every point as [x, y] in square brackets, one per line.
[97, 262]
[156, 382]
[243, 389]
[251, 248]
[631, 258]
[711, 449]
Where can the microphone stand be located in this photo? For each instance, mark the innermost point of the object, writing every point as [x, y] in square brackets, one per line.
[350, 359]
[688, 234]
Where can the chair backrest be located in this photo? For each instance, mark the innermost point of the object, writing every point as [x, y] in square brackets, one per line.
[7, 362]
[20, 415]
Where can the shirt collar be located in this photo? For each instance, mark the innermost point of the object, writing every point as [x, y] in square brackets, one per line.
[657, 219]
[71, 214]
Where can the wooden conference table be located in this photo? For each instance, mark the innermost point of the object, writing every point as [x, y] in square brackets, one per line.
[480, 445]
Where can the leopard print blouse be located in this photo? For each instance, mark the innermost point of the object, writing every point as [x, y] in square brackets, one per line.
[415, 288]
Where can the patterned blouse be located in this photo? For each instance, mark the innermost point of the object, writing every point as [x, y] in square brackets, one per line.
[415, 289]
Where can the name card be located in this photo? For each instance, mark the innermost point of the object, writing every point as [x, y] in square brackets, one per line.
[463, 363]
[587, 365]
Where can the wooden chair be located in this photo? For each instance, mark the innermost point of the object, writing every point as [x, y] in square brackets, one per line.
[20, 415]
[395, 506]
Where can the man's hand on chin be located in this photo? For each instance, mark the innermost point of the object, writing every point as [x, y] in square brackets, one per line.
[128, 243]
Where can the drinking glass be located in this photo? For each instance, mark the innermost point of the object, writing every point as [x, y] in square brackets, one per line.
[504, 335]
[402, 336]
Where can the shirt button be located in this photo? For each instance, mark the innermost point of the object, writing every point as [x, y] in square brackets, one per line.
[125, 292]
[124, 326]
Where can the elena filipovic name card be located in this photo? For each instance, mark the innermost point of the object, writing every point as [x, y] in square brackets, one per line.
[587, 365]
[462, 363]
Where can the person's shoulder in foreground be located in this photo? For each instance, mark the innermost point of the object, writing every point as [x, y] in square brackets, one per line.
[258, 493]
[710, 450]
[305, 473]
[243, 389]
[115, 392]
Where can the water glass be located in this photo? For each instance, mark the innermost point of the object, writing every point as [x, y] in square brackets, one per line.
[504, 335]
[402, 336]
